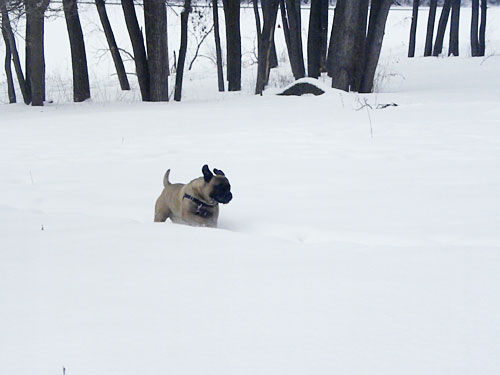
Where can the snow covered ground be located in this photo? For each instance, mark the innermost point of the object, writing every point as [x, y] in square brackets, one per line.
[359, 241]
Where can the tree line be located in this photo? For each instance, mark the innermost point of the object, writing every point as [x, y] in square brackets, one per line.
[349, 55]
[434, 47]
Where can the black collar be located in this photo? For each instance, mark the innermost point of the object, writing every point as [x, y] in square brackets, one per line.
[200, 203]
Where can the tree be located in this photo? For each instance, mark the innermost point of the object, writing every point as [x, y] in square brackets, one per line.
[263, 66]
[455, 19]
[314, 40]
[113, 47]
[360, 45]
[413, 29]
[482, 28]
[286, 28]
[218, 50]
[137, 41]
[430, 28]
[273, 57]
[293, 22]
[81, 86]
[378, 17]
[323, 40]
[6, 27]
[443, 21]
[233, 43]
[155, 19]
[182, 50]
[474, 29]
[343, 44]
[35, 46]
[8, 68]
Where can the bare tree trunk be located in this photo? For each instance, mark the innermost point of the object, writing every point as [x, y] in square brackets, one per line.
[15, 55]
[430, 28]
[413, 29]
[8, 68]
[273, 58]
[343, 52]
[376, 29]
[265, 45]
[27, 49]
[155, 20]
[81, 86]
[482, 28]
[443, 21]
[182, 50]
[360, 46]
[113, 47]
[455, 20]
[218, 50]
[295, 24]
[35, 46]
[137, 41]
[257, 21]
[474, 29]
[286, 27]
[336, 34]
[233, 43]
[323, 41]
[314, 40]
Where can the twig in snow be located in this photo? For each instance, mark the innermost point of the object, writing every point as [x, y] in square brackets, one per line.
[364, 104]
[370, 120]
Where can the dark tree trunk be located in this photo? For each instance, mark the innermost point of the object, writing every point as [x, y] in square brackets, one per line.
[8, 68]
[360, 49]
[257, 22]
[455, 21]
[474, 29]
[286, 27]
[430, 28]
[15, 55]
[265, 45]
[323, 35]
[81, 87]
[376, 29]
[314, 40]
[233, 43]
[336, 34]
[27, 49]
[182, 50]
[443, 21]
[343, 52]
[482, 28]
[155, 20]
[113, 47]
[218, 50]
[137, 40]
[295, 25]
[413, 29]
[273, 58]
[35, 46]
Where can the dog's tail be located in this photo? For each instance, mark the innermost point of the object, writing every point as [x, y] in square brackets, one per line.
[165, 179]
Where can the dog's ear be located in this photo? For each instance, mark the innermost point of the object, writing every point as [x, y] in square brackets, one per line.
[207, 175]
[218, 172]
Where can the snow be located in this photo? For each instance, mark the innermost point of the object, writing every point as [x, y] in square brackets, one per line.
[359, 241]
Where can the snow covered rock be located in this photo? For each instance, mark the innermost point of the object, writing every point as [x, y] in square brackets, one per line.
[304, 86]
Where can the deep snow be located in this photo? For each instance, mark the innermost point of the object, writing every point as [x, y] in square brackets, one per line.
[359, 241]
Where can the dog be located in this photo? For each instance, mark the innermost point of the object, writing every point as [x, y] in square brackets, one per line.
[195, 203]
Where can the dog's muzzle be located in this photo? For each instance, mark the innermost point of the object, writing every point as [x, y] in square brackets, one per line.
[225, 198]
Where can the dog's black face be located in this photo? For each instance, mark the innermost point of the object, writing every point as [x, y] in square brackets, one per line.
[221, 189]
